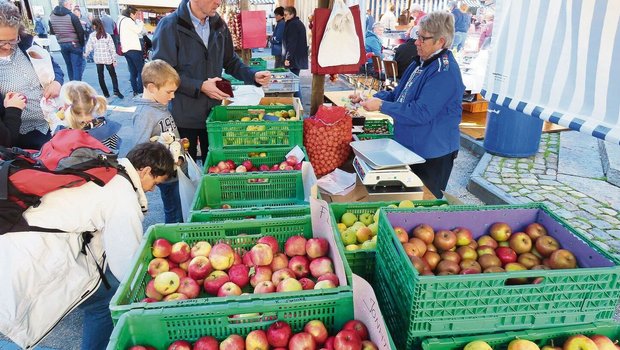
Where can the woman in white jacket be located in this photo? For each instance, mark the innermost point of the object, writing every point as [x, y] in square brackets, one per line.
[130, 32]
[389, 18]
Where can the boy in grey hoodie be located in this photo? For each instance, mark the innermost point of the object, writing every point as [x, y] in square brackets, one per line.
[152, 118]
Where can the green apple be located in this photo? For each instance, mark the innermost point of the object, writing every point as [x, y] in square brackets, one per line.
[376, 216]
[341, 227]
[348, 219]
[392, 206]
[406, 204]
[357, 225]
[348, 237]
[374, 228]
[351, 247]
[366, 218]
[478, 345]
[374, 238]
[369, 245]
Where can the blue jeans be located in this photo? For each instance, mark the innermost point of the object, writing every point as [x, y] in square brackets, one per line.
[97, 326]
[173, 212]
[135, 63]
[459, 40]
[73, 53]
[296, 72]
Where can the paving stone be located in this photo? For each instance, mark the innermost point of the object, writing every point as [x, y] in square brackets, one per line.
[548, 187]
[590, 209]
[570, 206]
[547, 182]
[551, 172]
[505, 188]
[529, 181]
[524, 191]
[546, 177]
[577, 194]
[573, 200]
[605, 247]
[555, 198]
[608, 211]
[614, 233]
[508, 170]
[584, 214]
[601, 234]
[509, 175]
[538, 172]
[601, 224]
[523, 166]
[510, 181]
[536, 197]
[566, 214]
[528, 175]
[494, 180]
[493, 168]
[614, 244]
[610, 220]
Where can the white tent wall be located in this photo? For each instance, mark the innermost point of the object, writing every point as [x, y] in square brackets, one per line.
[558, 60]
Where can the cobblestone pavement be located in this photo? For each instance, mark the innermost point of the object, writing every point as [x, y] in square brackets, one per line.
[567, 181]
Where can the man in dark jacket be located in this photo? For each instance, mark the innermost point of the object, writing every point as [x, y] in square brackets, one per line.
[278, 33]
[406, 53]
[295, 44]
[70, 35]
[195, 41]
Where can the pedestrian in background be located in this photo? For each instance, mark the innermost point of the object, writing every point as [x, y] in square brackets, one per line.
[110, 27]
[462, 20]
[370, 20]
[276, 39]
[39, 27]
[104, 55]
[130, 32]
[294, 44]
[70, 35]
[389, 18]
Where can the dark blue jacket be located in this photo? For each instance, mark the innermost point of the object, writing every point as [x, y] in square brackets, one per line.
[276, 40]
[176, 42]
[295, 44]
[461, 20]
[427, 121]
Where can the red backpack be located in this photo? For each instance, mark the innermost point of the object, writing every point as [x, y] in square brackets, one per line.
[70, 159]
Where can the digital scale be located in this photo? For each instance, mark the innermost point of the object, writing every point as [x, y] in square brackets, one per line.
[382, 166]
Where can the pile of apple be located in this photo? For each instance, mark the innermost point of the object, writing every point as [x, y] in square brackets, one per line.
[450, 252]
[180, 272]
[228, 166]
[360, 232]
[575, 342]
[279, 335]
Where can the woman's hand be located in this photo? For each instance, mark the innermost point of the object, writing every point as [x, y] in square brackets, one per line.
[52, 90]
[372, 104]
[14, 99]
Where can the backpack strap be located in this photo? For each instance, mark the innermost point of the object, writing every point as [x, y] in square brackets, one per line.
[86, 237]
[4, 178]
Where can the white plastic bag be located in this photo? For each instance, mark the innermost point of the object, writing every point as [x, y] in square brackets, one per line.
[188, 185]
[42, 64]
[340, 44]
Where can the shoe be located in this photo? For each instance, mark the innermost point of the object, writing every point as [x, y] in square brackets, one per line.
[106, 95]
[136, 94]
[119, 95]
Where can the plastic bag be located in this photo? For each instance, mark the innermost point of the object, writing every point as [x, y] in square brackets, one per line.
[326, 137]
[340, 44]
[188, 184]
[42, 64]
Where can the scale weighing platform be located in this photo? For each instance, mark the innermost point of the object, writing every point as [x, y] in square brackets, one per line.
[382, 166]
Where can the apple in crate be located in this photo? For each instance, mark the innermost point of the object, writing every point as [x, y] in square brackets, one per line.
[368, 345]
[347, 339]
[506, 255]
[233, 342]
[520, 242]
[263, 167]
[281, 275]
[500, 231]
[261, 274]
[179, 271]
[302, 341]
[545, 245]
[295, 245]
[562, 259]
[180, 345]
[444, 240]
[189, 287]
[279, 262]
[199, 267]
[331, 277]
[214, 281]
[317, 247]
[300, 265]
[321, 266]
[180, 252]
[523, 344]
[279, 333]
[140, 347]
[229, 289]
[257, 340]
[175, 296]
[324, 284]
[535, 230]
[486, 240]
[289, 285]
[265, 287]
[307, 283]
[206, 343]
[161, 248]
[247, 164]
[201, 248]
[424, 232]
[478, 345]
[239, 274]
[151, 292]
[359, 327]
[221, 256]
[603, 343]
[270, 241]
[261, 254]
[166, 282]
[157, 266]
[317, 330]
[463, 236]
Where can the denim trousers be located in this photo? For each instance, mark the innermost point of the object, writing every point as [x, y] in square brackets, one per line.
[135, 63]
[173, 212]
[459, 40]
[97, 325]
[73, 53]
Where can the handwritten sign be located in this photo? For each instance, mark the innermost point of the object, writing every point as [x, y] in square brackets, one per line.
[366, 309]
[322, 227]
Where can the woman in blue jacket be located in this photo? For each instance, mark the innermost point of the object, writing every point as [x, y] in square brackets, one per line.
[426, 105]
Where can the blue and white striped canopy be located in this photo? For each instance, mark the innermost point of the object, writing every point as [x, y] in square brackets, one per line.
[558, 60]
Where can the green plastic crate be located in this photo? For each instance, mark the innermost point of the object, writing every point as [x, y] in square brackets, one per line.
[376, 123]
[240, 235]
[250, 213]
[273, 155]
[362, 262]
[160, 327]
[242, 191]
[258, 63]
[226, 130]
[467, 304]
[541, 337]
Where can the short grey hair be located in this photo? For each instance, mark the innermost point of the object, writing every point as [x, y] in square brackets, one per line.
[439, 24]
[10, 15]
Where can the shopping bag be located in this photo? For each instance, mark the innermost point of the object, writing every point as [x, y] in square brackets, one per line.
[188, 184]
[340, 36]
[42, 64]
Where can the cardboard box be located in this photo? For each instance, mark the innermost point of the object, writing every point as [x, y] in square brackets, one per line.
[358, 194]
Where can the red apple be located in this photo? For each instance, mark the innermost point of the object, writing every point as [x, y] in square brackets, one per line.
[264, 287]
[281, 275]
[206, 343]
[302, 341]
[239, 274]
[331, 277]
[292, 160]
[221, 256]
[230, 163]
[270, 241]
[506, 255]
[233, 342]
[179, 271]
[545, 245]
[520, 242]
[295, 245]
[329, 343]
[263, 167]
[368, 345]
[256, 340]
[189, 287]
[579, 341]
[463, 236]
[602, 342]
[347, 339]
[247, 163]
[175, 296]
[289, 285]
[401, 234]
[321, 266]
[161, 248]
[237, 258]
[151, 292]
[200, 248]
[157, 266]
[535, 230]
[359, 327]
[306, 283]
[317, 247]
[214, 281]
[180, 345]
[261, 254]
[199, 267]
[280, 261]
[166, 283]
[444, 240]
[500, 231]
[279, 334]
[424, 232]
[261, 274]
[300, 265]
[247, 259]
[317, 330]
[562, 259]
[324, 284]
[229, 289]
[451, 256]
[489, 260]
[447, 267]
[432, 259]
[180, 252]
[486, 240]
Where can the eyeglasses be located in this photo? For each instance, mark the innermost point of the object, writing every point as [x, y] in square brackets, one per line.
[10, 42]
[423, 38]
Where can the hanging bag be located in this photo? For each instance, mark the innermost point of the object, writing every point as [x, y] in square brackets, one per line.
[340, 36]
[188, 184]
[326, 137]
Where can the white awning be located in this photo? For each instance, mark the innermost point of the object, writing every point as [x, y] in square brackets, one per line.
[561, 65]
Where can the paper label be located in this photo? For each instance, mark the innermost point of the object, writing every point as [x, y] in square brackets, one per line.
[322, 227]
[366, 309]
[297, 152]
[309, 180]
